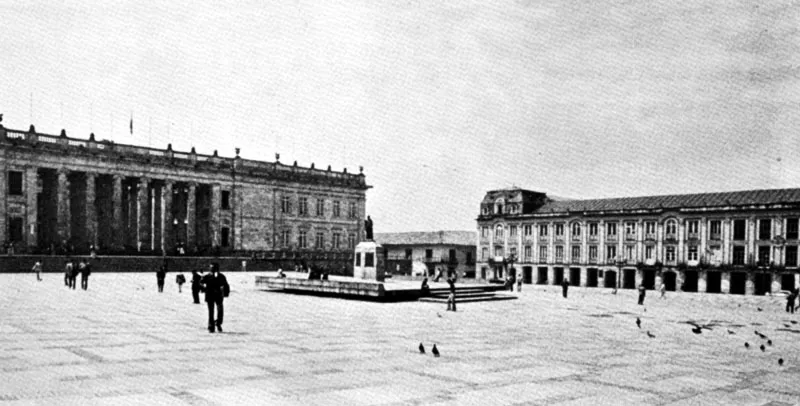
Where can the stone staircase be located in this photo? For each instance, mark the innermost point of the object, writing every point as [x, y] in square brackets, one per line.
[466, 294]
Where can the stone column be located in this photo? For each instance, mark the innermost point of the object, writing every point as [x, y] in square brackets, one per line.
[191, 217]
[584, 277]
[638, 277]
[750, 284]
[216, 204]
[725, 283]
[167, 228]
[32, 209]
[551, 275]
[91, 209]
[117, 226]
[62, 209]
[143, 215]
[701, 281]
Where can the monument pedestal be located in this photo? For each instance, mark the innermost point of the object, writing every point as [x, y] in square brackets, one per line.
[369, 263]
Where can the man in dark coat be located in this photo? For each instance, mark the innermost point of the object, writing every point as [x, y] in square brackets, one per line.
[196, 286]
[564, 287]
[216, 287]
[161, 275]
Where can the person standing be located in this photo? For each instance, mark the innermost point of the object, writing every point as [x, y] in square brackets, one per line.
[161, 275]
[642, 292]
[216, 287]
[73, 276]
[790, 301]
[564, 287]
[663, 291]
[37, 267]
[180, 280]
[86, 270]
[519, 282]
[196, 287]
[451, 299]
[67, 273]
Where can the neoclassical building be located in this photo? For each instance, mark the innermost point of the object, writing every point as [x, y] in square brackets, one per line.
[63, 193]
[735, 242]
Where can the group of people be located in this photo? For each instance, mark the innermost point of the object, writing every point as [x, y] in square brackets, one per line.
[71, 271]
[215, 286]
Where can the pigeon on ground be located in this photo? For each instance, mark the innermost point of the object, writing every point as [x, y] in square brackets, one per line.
[651, 335]
[438, 314]
[780, 361]
[769, 342]
[762, 336]
[759, 309]
[746, 345]
[794, 322]
[435, 351]
[786, 325]
[757, 333]
[421, 348]
[762, 347]
[731, 332]
[638, 323]
[697, 330]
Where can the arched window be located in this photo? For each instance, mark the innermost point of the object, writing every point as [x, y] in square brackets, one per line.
[576, 229]
[498, 231]
[671, 227]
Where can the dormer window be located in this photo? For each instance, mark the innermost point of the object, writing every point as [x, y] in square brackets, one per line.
[498, 206]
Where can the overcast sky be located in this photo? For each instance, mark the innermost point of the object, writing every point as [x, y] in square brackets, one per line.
[438, 102]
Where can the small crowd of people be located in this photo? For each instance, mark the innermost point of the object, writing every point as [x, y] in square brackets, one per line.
[72, 268]
[213, 283]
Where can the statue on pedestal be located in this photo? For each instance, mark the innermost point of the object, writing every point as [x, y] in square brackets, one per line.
[368, 228]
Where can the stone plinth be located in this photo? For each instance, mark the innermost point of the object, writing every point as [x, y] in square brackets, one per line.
[369, 262]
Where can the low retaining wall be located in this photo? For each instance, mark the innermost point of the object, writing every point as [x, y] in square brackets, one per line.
[373, 290]
[24, 263]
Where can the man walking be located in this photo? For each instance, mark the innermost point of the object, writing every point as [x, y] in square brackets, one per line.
[161, 275]
[216, 287]
[86, 270]
[37, 267]
[67, 273]
[196, 278]
[564, 287]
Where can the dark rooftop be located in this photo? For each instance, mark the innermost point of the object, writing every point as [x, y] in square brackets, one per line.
[428, 238]
[723, 199]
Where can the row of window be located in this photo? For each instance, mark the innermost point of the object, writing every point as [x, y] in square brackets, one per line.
[284, 239]
[629, 228]
[303, 207]
[763, 255]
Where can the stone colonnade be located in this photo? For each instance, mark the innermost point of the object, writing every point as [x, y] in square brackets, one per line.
[745, 282]
[119, 212]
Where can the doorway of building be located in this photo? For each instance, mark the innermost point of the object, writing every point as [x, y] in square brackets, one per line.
[610, 279]
[787, 281]
[738, 283]
[559, 275]
[649, 278]
[527, 274]
[689, 281]
[591, 277]
[628, 279]
[575, 276]
[541, 275]
[763, 283]
[713, 282]
[669, 280]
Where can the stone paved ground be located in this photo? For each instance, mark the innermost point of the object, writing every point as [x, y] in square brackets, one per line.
[121, 343]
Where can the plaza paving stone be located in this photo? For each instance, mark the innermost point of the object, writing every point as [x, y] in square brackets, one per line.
[121, 342]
